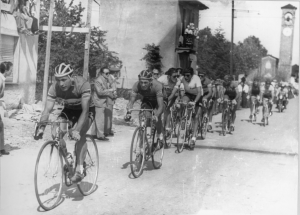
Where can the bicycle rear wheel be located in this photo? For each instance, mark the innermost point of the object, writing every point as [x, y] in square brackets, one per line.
[204, 126]
[181, 134]
[169, 137]
[48, 176]
[137, 152]
[157, 151]
[224, 123]
[90, 168]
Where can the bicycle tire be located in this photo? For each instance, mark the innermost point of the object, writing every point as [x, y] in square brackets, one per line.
[137, 159]
[157, 150]
[181, 135]
[57, 173]
[204, 126]
[169, 140]
[91, 168]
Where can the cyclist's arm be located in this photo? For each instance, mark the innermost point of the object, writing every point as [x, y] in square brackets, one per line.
[237, 94]
[198, 94]
[85, 105]
[48, 108]
[160, 102]
[175, 89]
[209, 87]
[132, 100]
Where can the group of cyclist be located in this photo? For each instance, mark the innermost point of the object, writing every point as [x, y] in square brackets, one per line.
[159, 94]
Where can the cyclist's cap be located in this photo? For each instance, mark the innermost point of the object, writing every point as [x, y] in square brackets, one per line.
[62, 70]
[145, 74]
[188, 70]
[202, 73]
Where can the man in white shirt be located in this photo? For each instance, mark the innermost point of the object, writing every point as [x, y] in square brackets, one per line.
[5, 69]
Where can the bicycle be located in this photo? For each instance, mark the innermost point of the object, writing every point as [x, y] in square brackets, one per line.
[172, 132]
[50, 167]
[227, 117]
[185, 126]
[141, 150]
[265, 111]
[202, 129]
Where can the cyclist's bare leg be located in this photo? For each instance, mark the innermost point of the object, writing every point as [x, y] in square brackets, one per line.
[64, 129]
[81, 146]
[251, 105]
[233, 112]
[210, 111]
[159, 127]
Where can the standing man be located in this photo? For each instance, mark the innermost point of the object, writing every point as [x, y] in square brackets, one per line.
[102, 95]
[5, 70]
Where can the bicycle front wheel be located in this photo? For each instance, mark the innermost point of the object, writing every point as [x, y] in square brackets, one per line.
[48, 176]
[90, 167]
[169, 137]
[181, 134]
[137, 152]
[157, 151]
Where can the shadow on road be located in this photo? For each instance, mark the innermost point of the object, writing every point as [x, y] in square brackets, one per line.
[11, 148]
[247, 150]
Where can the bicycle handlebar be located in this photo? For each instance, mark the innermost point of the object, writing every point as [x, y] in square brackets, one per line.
[130, 110]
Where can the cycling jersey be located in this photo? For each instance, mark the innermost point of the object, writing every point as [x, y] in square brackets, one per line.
[267, 93]
[168, 86]
[255, 90]
[71, 99]
[155, 91]
[230, 90]
[206, 83]
[194, 83]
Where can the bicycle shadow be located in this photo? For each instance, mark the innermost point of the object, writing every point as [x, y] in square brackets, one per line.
[10, 148]
[148, 166]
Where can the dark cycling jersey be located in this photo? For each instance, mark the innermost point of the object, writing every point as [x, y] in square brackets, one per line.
[71, 99]
[155, 91]
[230, 90]
[255, 91]
[206, 83]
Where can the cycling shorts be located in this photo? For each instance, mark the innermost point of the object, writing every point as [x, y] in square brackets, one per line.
[191, 97]
[73, 115]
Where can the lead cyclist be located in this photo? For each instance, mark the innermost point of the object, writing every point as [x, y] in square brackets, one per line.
[74, 92]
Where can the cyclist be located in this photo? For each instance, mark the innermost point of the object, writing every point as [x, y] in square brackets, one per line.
[282, 90]
[74, 92]
[254, 95]
[230, 93]
[193, 92]
[152, 92]
[267, 92]
[205, 98]
[170, 92]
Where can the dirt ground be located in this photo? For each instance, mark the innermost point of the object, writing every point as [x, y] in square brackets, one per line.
[253, 171]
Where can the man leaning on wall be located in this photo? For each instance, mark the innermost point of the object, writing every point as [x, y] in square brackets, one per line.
[5, 70]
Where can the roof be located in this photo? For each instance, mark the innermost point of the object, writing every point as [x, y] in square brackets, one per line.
[196, 3]
[289, 6]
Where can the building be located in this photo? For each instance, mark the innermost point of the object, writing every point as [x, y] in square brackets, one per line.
[269, 65]
[22, 51]
[131, 24]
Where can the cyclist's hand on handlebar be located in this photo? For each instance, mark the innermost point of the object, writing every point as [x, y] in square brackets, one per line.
[219, 100]
[75, 135]
[39, 134]
[248, 97]
[234, 102]
[127, 117]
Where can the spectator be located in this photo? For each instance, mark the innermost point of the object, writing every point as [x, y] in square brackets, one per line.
[243, 89]
[103, 93]
[5, 70]
[155, 74]
[110, 105]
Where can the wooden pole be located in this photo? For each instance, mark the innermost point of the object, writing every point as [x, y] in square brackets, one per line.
[0, 26]
[48, 47]
[99, 18]
[87, 41]
[231, 45]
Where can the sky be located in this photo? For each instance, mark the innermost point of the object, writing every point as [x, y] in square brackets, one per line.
[264, 22]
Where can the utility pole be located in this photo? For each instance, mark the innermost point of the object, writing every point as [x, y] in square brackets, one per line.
[0, 26]
[87, 41]
[48, 47]
[231, 45]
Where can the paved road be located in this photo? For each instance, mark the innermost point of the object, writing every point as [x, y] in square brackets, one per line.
[253, 171]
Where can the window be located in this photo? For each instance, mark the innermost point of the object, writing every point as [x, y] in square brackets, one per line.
[7, 52]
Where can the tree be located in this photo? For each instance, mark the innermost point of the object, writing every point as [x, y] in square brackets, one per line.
[69, 47]
[247, 55]
[153, 57]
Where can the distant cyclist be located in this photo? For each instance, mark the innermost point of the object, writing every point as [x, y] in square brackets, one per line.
[74, 92]
[206, 97]
[254, 95]
[267, 92]
[230, 93]
[152, 92]
[283, 91]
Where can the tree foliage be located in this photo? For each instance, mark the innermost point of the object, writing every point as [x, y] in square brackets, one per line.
[69, 47]
[214, 54]
[153, 57]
